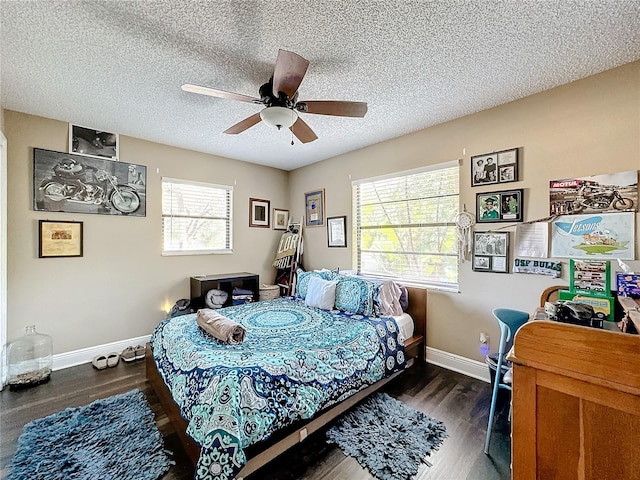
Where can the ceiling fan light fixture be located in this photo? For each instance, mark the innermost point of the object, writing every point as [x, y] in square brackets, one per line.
[279, 117]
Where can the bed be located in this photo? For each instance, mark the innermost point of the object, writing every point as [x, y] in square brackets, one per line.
[237, 407]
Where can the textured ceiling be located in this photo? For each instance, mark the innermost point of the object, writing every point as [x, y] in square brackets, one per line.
[118, 65]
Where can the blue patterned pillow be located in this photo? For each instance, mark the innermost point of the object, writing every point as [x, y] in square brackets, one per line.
[355, 295]
[303, 280]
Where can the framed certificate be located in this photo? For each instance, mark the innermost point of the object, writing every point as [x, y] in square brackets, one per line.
[60, 239]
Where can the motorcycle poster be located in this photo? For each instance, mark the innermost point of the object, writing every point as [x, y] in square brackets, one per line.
[64, 182]
[594, 237]
[612, 192]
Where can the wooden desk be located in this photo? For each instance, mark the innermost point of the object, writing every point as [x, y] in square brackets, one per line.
[576, 403]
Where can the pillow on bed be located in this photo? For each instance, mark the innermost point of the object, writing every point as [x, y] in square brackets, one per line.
[404, 298]
[321, 293]
[355, 295]
[303, 280]
[388, 299]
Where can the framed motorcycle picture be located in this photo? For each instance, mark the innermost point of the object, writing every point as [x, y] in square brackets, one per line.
[610, 192]
[65, 182]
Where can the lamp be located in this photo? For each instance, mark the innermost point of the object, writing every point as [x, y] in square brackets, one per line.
[279, 117]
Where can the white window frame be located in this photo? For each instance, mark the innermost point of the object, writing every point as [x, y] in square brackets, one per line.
[357, 230]
[228, 190]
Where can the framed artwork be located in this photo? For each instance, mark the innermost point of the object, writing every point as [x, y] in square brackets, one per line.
[64, 182]
[337, 231]
[503, 206]
[259, 213]
[605, 236]
[496, 167]
[280, 219]
[59, 239]
[491, 252]
[93, 143]
[314, 208]
[610, 192]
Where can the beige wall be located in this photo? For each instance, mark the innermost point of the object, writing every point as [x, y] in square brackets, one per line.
[588, 127]
[118, 289]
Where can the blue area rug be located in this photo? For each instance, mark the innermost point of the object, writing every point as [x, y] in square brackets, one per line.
[111, 439]
[387, 437]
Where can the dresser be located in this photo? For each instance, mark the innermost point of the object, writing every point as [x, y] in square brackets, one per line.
[576, 403]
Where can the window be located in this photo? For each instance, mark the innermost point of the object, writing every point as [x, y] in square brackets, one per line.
[404, 226]
[196, 217]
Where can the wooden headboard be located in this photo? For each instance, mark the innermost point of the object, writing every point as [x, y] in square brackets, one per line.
[418, 311]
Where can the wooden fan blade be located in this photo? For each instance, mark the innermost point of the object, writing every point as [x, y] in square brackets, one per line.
[212, 92]
[244, 124]
[329, 107]
[302, 131]
[289, 72]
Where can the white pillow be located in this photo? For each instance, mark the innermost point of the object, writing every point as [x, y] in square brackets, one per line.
[321, 293]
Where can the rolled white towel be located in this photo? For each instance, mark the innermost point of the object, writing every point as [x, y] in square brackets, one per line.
[221, 327]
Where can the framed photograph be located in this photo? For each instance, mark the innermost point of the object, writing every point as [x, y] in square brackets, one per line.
[491, 252]
[496, 167]
[93, 143]
[63, 182]
[259, 213]
[59, 239]
[337, 231]
[280, 219]
[314, 208]
[502, 206]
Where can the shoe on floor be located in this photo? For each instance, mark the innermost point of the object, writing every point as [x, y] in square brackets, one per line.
[140, 352]
[99, 362]
[128, 354]
[113, 359]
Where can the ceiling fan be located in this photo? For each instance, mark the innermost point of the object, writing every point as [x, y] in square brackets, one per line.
[280, 97]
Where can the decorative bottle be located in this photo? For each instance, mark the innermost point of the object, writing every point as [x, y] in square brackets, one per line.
[30, 359]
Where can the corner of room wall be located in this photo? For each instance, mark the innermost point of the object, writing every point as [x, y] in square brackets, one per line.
[122, 286]
[590, 126]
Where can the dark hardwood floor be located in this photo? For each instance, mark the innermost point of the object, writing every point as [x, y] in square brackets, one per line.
[462, 403]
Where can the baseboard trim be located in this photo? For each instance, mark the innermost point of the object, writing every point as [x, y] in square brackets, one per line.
[85, 355]
[450, 361]
[457, 363]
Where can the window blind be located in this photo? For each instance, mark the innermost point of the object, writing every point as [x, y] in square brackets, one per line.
[196, 217]
[404, 226]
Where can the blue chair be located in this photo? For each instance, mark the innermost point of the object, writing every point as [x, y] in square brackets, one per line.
[510, 321]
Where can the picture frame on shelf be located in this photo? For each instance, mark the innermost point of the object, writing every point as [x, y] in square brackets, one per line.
[500, 206]
[314, 208]
[495, 167]
[491, 252]
[259, 213]
[93, 143]
[60, 239]
[280, 219]
[337, 231]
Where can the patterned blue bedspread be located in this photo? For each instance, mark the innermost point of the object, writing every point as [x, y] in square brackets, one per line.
[295, 361]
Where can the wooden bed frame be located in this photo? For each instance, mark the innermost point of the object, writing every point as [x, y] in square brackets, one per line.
[263, 452]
